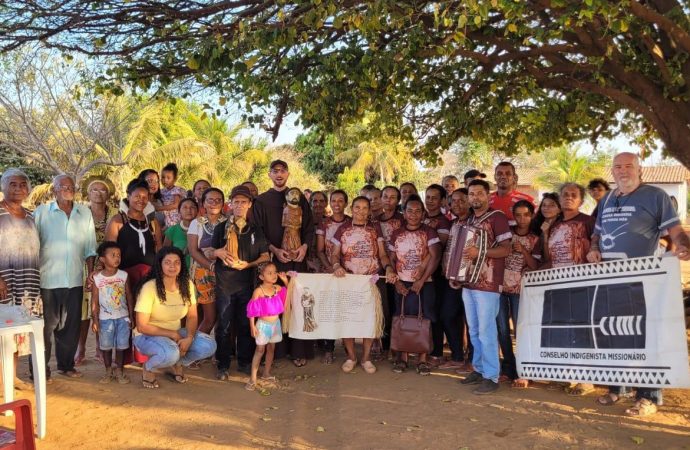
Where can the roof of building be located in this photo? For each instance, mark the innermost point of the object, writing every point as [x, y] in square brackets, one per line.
[650, 174]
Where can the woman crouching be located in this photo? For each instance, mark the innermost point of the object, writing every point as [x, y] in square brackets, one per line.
[163, 301]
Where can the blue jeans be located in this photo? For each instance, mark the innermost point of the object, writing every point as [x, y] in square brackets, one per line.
[164, 352]
[481, 309]
[507, 310]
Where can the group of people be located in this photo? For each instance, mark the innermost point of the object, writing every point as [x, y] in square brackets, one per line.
[171, 278]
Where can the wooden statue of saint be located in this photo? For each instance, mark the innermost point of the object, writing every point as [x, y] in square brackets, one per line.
[292, 222]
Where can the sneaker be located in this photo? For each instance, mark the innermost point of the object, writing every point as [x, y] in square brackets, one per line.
[348, 365]
[399, 366]
[473, 378]
[222, 375]
[487, 387]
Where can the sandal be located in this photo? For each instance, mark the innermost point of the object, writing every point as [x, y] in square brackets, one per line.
[608, 399]
[580, 389]
[268, 381]
[348, 365]
[423, 369]
[299, 362]
[177, 377]
[643, 408]
[520, 383]
[250, 386]
[196, 365]
[369, 367]
[122, 378]
[399, 366]
[149, 384]
[71, 373]
[107, 378]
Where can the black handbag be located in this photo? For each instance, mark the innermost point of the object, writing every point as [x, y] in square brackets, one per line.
[411, 334]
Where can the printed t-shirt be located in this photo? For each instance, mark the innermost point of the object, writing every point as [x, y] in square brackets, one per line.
[112, 300]
[569, 241]
[163, 315]
[327, 229]
[504, 203]
[440, 223]
[203, 230]
[410, 248]
[515, 263]
[496, 226]
[388, 226]
[630, 226]
[359, 251]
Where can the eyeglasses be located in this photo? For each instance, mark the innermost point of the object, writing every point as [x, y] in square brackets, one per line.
[100, 191]
[214, 201]
[65, 188]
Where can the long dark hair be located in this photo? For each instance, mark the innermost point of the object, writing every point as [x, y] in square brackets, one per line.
[539, 218]
[142, 176]
[183, 282]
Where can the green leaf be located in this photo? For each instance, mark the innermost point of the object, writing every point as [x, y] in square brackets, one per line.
[462, 21]
[193, 63]
[477, 20]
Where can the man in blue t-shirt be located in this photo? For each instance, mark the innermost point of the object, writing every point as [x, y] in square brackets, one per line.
[630, 222]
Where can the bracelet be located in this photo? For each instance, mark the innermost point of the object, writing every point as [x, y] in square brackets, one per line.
[336, 264]
[210, 268]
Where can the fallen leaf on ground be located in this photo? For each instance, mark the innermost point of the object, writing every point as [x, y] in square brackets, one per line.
[637, 439]
[320, 429]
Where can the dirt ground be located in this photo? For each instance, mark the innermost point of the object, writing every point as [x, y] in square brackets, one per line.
[321, 407]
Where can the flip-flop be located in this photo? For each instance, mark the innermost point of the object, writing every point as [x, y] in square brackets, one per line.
[177, 378]
[580, 389]
[642, 408]
[149, 384]
[71, 373]
[520, 383]
[608, 400]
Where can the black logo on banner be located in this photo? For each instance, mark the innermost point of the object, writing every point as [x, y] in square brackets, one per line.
[609, 316]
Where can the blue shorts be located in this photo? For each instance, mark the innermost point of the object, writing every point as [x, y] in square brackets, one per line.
[269, 332]
[114, 333]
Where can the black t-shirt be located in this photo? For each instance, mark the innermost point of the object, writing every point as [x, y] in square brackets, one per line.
[251, 243]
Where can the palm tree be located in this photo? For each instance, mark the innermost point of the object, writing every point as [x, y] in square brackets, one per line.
[381, 158]
[565, 164]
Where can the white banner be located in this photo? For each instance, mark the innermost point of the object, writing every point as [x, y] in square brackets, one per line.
[615, 323]
[322, 306]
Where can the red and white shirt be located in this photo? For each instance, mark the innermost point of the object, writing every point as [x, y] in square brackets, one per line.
[411, 247]
[359, 248]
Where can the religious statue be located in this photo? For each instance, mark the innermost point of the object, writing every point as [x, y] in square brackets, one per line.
[234, 227]
[292, 222]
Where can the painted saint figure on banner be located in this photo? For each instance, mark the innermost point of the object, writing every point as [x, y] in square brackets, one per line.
[308, 302]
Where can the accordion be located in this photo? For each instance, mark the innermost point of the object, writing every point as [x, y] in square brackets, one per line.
[459, 268]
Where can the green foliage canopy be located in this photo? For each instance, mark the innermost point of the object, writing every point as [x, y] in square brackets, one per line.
[517, 74]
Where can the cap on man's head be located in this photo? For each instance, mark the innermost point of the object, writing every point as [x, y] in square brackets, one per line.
[241, 190]
[278, 162]
[474, 173]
